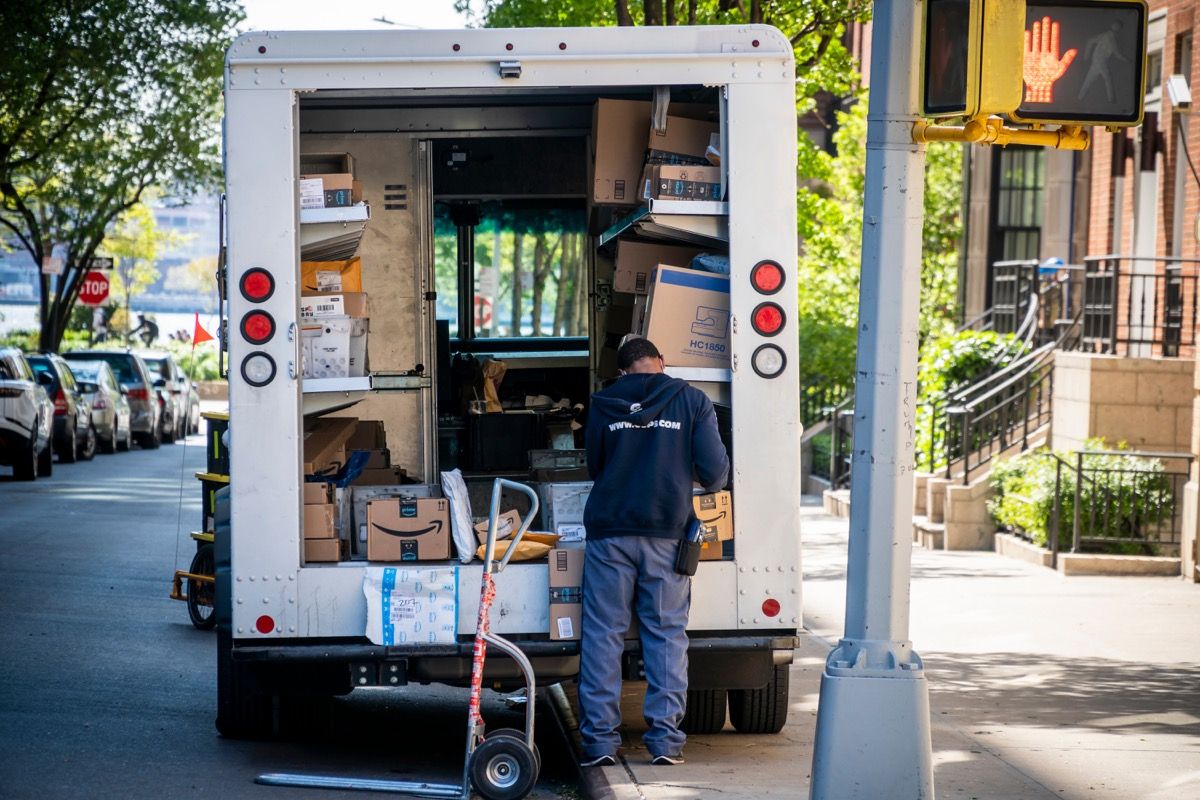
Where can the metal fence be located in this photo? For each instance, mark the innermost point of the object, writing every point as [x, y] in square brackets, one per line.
[841, 447]
[1140, 306]
[1123, 501]
[819, 398]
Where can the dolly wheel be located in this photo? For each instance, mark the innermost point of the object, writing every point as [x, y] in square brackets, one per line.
[503, 768]
[200, 594]
[513, 733]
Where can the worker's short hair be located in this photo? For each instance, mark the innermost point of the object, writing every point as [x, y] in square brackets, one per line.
[634, 351]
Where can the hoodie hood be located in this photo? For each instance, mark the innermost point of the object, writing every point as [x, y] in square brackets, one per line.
[638, 398]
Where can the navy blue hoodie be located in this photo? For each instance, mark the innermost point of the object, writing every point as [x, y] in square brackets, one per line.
[648, 437]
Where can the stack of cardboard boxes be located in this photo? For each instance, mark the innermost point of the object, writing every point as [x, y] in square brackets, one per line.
[327, 181]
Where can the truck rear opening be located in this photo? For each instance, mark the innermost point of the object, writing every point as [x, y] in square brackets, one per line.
[436, 241]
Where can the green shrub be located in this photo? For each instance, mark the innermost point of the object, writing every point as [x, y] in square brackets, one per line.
[1118, 497]
[822, 450]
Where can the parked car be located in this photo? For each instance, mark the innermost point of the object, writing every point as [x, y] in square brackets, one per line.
[132, 373]
[186, 400]
[110, 408]
[74, 436]
[26, 419]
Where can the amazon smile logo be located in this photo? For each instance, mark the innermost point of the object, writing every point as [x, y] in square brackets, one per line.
[436, 527]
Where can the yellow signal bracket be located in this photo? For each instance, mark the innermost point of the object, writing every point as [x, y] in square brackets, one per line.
[991, 130]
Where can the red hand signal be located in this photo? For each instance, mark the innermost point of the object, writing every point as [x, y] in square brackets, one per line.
[1042, 63]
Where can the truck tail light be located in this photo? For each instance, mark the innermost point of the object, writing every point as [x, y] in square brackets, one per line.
[770, 607]
[767, 319]
[768, 361]
[258, 368]
[60, 403]
[767, 277]
[258, 327]
[257, 285]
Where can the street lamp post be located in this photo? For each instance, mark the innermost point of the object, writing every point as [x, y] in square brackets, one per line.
[873, 734]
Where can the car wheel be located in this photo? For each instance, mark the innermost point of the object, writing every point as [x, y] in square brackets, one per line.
[69, 452]
[26, 468]
[151, 441]
[126, 443]
[88, 451]
[45, 462]
[109, 445]
[167, 435]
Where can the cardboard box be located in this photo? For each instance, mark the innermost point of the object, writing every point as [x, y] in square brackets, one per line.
[684, 141]
[316, 494]
[369, 435]
[324, 277]
[318, 550]
[506, 525]
[687, 182]
[318, 163]
[688, 317]
[411, 604]
[619, 130]
[334, 347]
[408, 530]
[320, 521]
[640, 303]
[312, 193]
[563, 503]
[325, 443]
[381, 476]
[636, 262]
[566, 593]
[335, 304]
[715, 512]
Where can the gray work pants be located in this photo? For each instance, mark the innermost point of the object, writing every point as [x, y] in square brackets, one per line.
[619, 574]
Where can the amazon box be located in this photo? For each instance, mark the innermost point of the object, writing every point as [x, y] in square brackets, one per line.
[316, 494]
[566, 593]
[408, 530]
[325, 443]
[316, 550]
[320, 521]
[619, 130]
[369, 435]
[382, 476]
[636, 262]
[334, 304]
[325, 277]
[715, 513]
[683, 182]
[687, 317]
[507, 524]
[683, 141]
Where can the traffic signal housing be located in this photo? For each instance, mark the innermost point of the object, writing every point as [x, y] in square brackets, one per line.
[1084, 62]
[971, 61]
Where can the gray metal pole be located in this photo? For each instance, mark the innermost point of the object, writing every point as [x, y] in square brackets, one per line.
[873, 731]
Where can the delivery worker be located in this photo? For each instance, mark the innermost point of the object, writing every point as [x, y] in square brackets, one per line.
[649, 436]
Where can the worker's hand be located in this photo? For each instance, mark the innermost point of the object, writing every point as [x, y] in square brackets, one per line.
[1042, 63]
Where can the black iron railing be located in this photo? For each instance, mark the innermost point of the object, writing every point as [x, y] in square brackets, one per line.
[1140, 306]
[842, 445]
[818, 399]
[1118, 501]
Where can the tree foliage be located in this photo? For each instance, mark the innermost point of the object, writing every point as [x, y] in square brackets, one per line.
[102, 99]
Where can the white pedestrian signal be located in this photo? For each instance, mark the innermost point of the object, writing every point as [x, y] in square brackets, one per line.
[1084, 62]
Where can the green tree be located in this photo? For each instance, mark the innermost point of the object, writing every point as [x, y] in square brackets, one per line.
[135, 243]
[102, 100]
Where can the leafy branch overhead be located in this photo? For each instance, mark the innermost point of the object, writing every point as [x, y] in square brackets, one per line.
[102, 100]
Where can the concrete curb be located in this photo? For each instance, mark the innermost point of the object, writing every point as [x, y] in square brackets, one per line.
[598, 783]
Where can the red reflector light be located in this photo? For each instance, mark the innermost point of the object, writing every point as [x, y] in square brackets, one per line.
[100, 404]
[258, 327]
[60, 404]
[767, 277]
[257, 285]
[139, 394]
[770, 607]
[767, 319]
[264, 624]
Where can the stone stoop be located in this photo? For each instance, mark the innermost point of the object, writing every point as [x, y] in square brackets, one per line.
[929, 535]
[836, 502]
[1011, 546]
[969, 526]
[1097, 564]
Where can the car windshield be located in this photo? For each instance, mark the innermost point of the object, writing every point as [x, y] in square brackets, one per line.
[121, 364]
[86, 372]
[155, 366]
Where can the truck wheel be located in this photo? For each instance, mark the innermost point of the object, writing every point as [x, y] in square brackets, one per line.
[503, 768]
[25, 468]
[705, 711]
[762, 710]
[244, 709]
[45, 462]
[202, 610]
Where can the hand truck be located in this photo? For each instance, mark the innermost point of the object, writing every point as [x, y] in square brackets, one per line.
[502, 765]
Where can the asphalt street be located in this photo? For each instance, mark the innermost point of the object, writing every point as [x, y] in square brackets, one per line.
[108, 690]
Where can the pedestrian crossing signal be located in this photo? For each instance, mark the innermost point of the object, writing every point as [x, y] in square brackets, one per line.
[1084, 62]
[972, 57]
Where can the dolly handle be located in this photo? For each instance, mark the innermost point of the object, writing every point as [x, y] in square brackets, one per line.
[498, 487]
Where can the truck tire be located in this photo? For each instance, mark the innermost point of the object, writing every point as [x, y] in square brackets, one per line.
[244, 709]
[705, 711]
[762, 710]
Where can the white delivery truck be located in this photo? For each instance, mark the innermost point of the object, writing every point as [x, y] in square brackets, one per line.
[485, 181]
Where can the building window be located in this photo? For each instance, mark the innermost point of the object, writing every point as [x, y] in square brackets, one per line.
[1154, 71]
[1020, 180]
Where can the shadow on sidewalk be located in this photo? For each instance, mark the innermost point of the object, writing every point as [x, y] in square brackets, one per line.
[1033, 690]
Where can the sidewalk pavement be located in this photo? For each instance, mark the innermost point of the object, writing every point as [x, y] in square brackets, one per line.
[1041, 686]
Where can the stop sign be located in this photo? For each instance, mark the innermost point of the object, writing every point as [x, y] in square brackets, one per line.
[95, 289]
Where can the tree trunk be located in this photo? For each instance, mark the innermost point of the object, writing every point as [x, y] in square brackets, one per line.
[565, 276]
[539, 260]
[671, 12]
[623, 16]
[691, 12]
[653, 12]
[517, 292]
[583, 294]
[756, 12]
